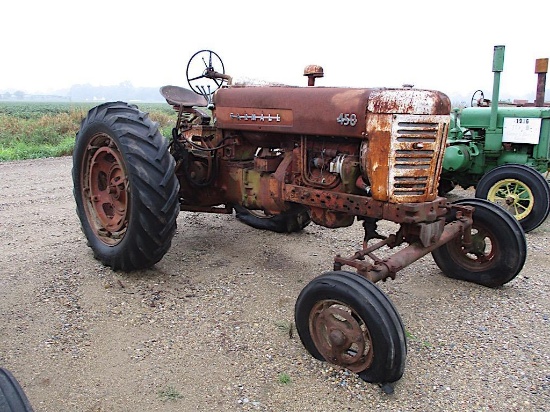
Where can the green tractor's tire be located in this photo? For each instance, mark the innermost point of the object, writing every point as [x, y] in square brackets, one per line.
[498, 249]
[125, 188]
[519, 189]
[292, 220]
[345, 319]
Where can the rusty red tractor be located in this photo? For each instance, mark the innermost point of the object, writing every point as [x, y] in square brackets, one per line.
[282, 157]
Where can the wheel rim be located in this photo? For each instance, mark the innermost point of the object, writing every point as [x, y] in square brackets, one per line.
[483, 252]
[514, 196]
[340, 335]
[105, 189]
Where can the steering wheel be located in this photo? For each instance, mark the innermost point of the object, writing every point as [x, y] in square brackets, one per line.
[202, 76]
[481, 98]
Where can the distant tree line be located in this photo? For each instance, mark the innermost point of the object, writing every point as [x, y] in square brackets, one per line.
[124, 91]
[17, 95]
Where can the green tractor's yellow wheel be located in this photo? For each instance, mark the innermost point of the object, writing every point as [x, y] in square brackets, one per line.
[519, 189]
[514, 196]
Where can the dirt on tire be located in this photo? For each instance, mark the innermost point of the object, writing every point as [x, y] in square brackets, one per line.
[210, 326]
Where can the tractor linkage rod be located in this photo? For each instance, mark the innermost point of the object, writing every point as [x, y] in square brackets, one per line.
[381, 269]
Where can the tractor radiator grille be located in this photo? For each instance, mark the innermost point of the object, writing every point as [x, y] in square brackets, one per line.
[415, 156]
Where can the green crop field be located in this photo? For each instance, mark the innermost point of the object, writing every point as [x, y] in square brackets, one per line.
[30, 130]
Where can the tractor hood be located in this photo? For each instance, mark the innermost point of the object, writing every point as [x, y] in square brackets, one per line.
[319, 111]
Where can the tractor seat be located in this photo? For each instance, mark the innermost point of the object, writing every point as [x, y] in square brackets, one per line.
[178, 96]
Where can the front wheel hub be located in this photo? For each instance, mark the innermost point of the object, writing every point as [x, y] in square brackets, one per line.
[340, 335]
[337, 338]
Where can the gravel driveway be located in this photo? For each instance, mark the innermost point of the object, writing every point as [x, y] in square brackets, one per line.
[210, 326]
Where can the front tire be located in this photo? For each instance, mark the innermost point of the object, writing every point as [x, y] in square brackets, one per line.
[125, 188]
[519, 189]
[498, 248]
[343, 318]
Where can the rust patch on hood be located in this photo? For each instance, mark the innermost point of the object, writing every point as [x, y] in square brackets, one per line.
[408, 101]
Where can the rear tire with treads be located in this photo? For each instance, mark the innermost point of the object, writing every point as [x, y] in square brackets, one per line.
[125, 188]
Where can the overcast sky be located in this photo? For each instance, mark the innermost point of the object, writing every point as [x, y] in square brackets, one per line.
[442, 45]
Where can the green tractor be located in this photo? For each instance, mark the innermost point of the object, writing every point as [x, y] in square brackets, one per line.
[502, 151]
